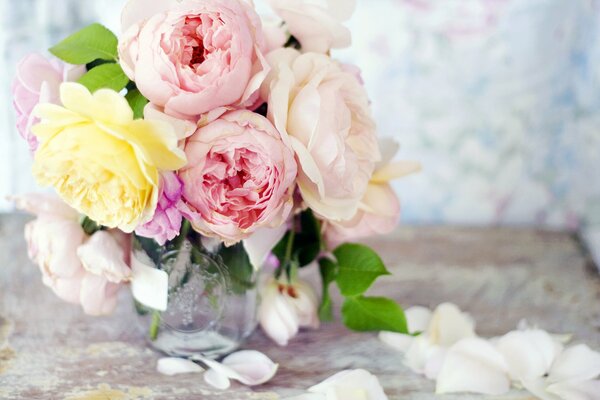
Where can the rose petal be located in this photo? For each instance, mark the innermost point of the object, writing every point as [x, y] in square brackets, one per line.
[576, 390]
[449, 324]
[398, 341]
[355, 384]
[259, 245]
[576, 363]
[173, 366]
[529, 354]
[217, 379]
[149, 285]
[417, 318]
[473, 365]
[253, 367]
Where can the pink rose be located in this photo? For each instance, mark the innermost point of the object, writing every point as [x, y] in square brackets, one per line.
[379, 210]
[166, 223]
[324, 112]
[79, 269]
[317, 24]
[38, 81]
[191, 56]
[239, 178]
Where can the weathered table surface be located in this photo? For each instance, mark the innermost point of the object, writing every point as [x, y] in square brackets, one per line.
[53, 351]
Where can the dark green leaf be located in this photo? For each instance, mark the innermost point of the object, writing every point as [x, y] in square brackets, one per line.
[328, 271]
[89, 44]
[359, 266]
[373, 314]
[241, 272]
[137, 102]
[109, 76]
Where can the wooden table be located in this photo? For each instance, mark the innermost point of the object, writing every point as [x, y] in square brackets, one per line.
[53, 351]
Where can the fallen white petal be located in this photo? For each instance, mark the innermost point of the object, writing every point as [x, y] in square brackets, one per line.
[355, 384]
[249, 367]
[173, 366]
[563, 338]
[537, 387]
[473, 365]
[252, 367]
[449, 324]
[576, 363]
[528, 354]
[398, 341]
[217, 380]
[418, 318]
[418, 353]
[434, 363]
[149, 285]
[576, 390]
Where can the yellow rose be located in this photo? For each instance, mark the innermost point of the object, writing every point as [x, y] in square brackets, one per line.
[99, 159]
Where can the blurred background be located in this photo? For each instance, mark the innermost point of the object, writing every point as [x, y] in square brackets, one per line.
[499, 99]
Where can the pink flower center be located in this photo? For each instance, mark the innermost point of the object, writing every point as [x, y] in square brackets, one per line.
[237, 183]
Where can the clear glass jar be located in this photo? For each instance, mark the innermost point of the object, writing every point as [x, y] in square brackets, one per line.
[212, 300]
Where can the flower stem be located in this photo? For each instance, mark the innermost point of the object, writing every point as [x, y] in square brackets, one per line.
[155, 325]
[287, 262]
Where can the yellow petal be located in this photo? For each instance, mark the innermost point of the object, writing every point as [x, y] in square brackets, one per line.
[155, 141]
[104, 105]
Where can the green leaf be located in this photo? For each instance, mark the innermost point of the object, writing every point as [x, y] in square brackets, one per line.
[109, 76]
[89, 44]
[328, 271]
[359, 267]
[137, 102]
[241, 272]
[365, 314]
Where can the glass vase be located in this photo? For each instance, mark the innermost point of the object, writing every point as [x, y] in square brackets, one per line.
[212, 298]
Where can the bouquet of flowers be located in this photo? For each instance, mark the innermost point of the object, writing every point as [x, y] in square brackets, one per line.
[202, 146]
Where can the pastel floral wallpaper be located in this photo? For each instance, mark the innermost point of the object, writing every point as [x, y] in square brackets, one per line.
[499, 99]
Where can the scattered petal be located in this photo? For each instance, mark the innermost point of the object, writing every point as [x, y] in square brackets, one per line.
[253, 368]
[216, 379]
[355, 384]
[398, 341]
[473, 365]
[249, 367]
[576, 363]
[528, 354]
[576, 390]
[173, 366]
[449, 324]
[418, 318]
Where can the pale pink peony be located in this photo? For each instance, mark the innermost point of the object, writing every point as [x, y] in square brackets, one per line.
[239, 178]
[324, 112]
[192, 57]
[317, 24]
[37, 81]
[285, 308]
[79, 269]
[379, 210]
[170, 211]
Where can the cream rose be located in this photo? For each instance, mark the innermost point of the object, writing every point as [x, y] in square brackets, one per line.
[324, 112]
[379, 210]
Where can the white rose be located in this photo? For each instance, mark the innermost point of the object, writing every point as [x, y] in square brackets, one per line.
[324, 112]
[285, 308]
